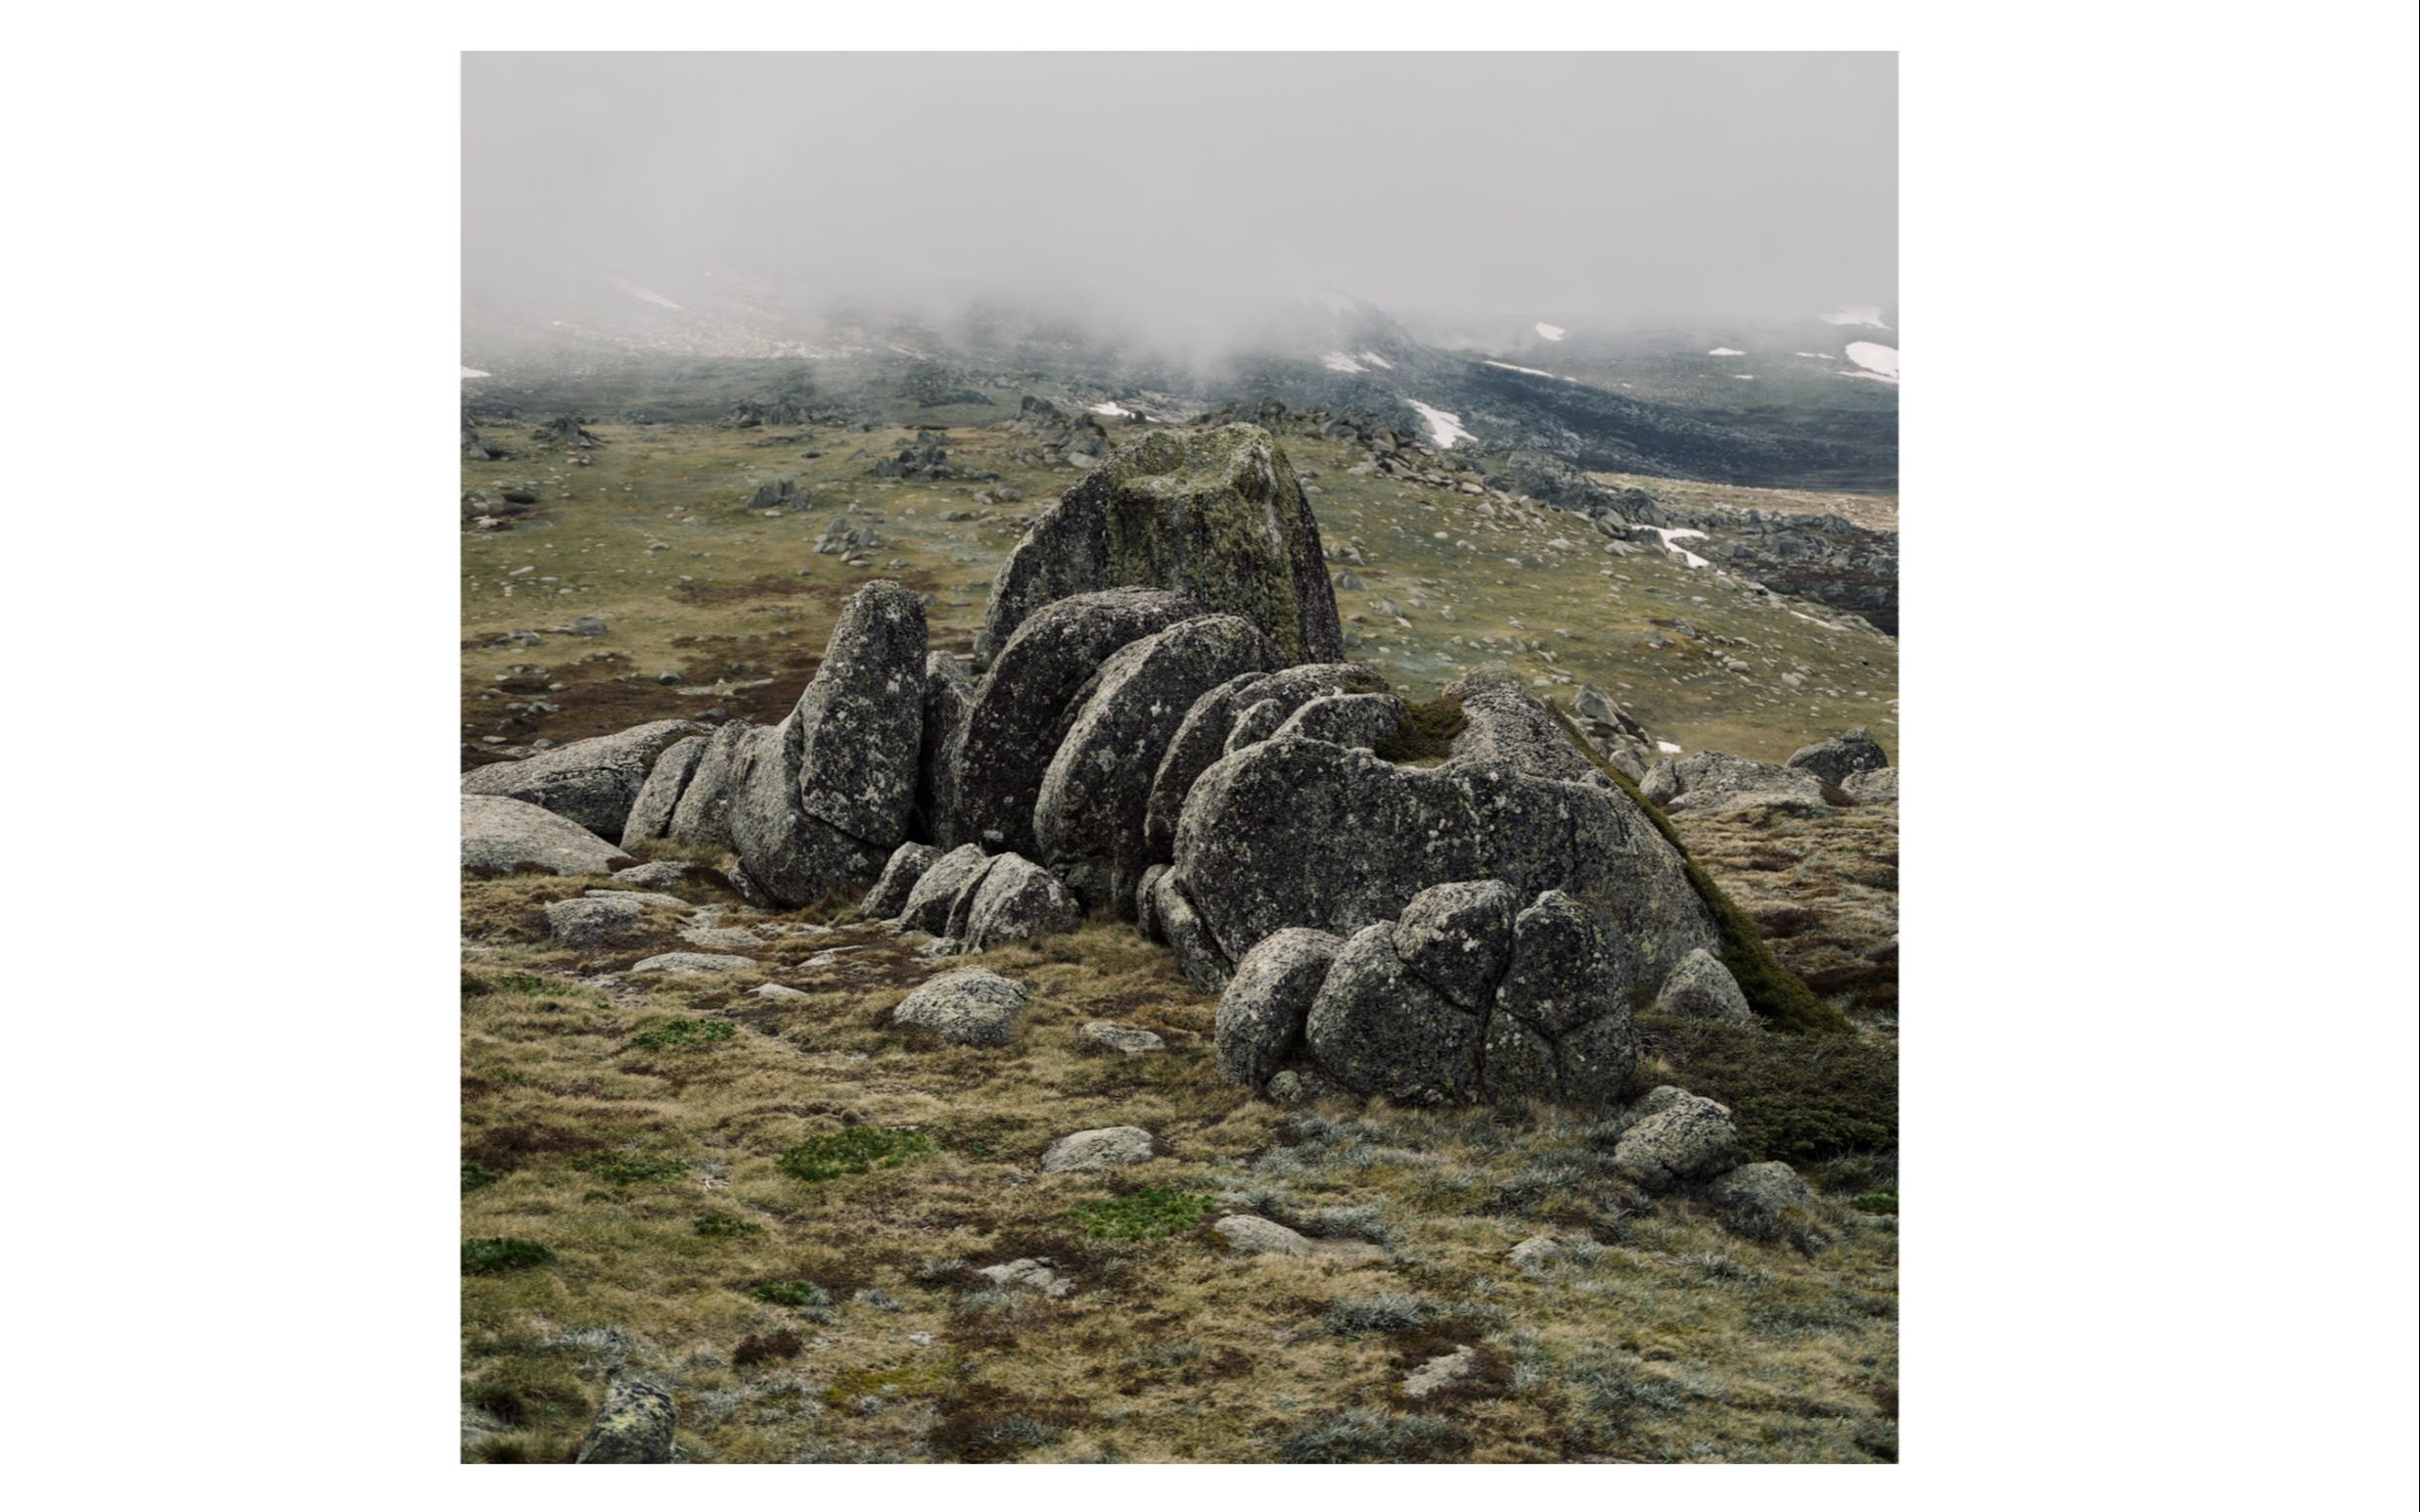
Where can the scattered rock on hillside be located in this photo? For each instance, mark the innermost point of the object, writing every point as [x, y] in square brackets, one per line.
[591, 782]
[694, 963]
[1677, 1137]
[1098, 1149]
[633, 1427]
[970, 1006]
[1840, 757]
[1880, 784]
[1713, 782]
[588, 923]
[1441, 1372]
[1218, 515]
[1766, 1201]
[1124, 1038]
[1702, 988]
[1249, 1233]
[505, 835]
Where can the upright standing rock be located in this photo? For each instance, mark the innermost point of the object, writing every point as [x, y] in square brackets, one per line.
[1216, 514]
[1089, 816]
[703, 815]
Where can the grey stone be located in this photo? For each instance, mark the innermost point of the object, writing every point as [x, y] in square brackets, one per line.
[1034, 1272]
[930, 900]
[505, 835]
[889, 896]
[1364, 719]
[591, 782]
[1687, 1138]
[1202, 739]
[702, 817]
[1198, 959]
[1376, 1025]
[1032, 693]
[1881, 785]
[1441, 1372]
[1713, 782]
[1564, 972]
[1017, 900]
[1124, 1038]
[1256, 722]
[1089, 815]
[664, 874]
[793, 858]
[633, 1427]
[861, 719]
[1262, 1011]
[651, 813]
[1098, 1149]
[968, 1006]
[1702, 988]
[1840, 757]
[1765, 1201]
[694, 963]
[1249, 1233]
[1216, 514]
[1458, 936]
[590, 923]
[775, 992]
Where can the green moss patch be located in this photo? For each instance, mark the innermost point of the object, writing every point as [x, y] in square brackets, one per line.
[683, 1034]
[853, 1152]
[1426, 732]
[1154, 1212]
[494, 1257]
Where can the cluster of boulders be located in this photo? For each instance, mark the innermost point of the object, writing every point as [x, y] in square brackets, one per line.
[1162, 729]
[1064, 435]
[565, 431]
[925, 457]
[1847, 769]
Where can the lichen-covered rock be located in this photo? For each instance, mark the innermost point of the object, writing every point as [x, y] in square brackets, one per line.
[1564, 972]
[1295, 832]
[703, 816]
[1840, 757]
[1017, 900]
[1504, 726]
[1376, 1025]
[1702, 988]
[1099, 1149]
[1261, 1011]
[968, 1006]
[948, 693]
[1249, 1233]
[1881, 785]
[651, 813]
[1254, 723]
[1686, 1138]
[1216, 514]
[1023, 708]
[1089, 815]
[590, 923]
[889, 896]
[1367, 721]
[633, 1427]
[1713, 782]
[930, 900]
[1202, 739]
[861, 719]
[590, 782]
[694, 963]
[1458, 935]
[1199, 958]
[1147, 904]
[793, 858]
[1124, 1039]
[1766, 1201]
[505, 835]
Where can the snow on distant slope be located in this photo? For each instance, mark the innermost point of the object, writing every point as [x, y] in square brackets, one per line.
[1687, 556]
[1375, 361]
[1514, 366]
[1338, 363]
[1856, 315]
[1551, 333]
[1445, 428]
[637, 292]
[1109, 407]
[1876, 358]
[471, 372]
[1749, 377]
[1726, 351]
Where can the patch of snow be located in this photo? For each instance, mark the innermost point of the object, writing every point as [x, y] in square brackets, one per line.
[637, 292]
[1551, 333]
[1683, 552]
[1375, 361]
[1819, 357]
[1667, 748]
[1726, 351]
[1514, 367]
[1445, 428]
[469, 372]
[1110, 407]
[1856, 315]
[1749, 377]
[1338, 363]
[1874, 357]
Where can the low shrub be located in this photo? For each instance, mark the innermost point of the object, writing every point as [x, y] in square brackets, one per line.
[782, 1344]
[721, 1225]
[627, 1168]
[1386, 1312]
[475, 1176]
[790, 1294]
[1426, 735]
[1154, 1212]
[494, 1257]
[1795, 1098]
[683, 1034]
[853, 1152]
[1358, 1436]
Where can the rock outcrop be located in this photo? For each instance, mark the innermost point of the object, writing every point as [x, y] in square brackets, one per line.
[1260, 1015]
[1840, 757]
[501, 835]
[591, 782]
[1095, 796]
[1216, 514]
[907, 866]
[972, 901]
[1201, 738]
[660, 796]
[1713, 782]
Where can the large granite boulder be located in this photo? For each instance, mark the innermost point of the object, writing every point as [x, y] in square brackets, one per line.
[1216, 514]
[1201, 738]
[1677, 1137]
[1088, 820]
[968, 1006]
[651, 814]
[1366, 720]
[1015, 900]
[591, 782]
[1021, 709]
[1291, 833]
[502, 834]
[702, 817]
[1378, 1026]
[1840, 757]
[1262, 1013]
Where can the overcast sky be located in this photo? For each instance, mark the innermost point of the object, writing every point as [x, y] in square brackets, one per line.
[1606, 184]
